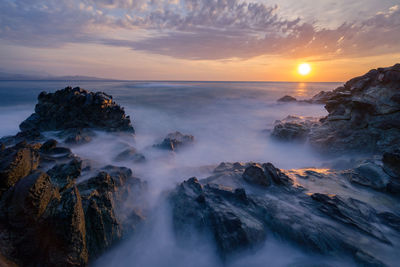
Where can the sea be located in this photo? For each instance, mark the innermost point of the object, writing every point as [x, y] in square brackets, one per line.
[230, 121]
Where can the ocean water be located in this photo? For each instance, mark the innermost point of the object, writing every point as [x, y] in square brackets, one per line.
[229, 122]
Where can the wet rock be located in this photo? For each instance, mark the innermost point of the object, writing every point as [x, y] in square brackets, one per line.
[390, 219]
[78, 109]
[238, 217]
[369, 174]
[293, 128]
[29, 199]
[204, 208]
[391, 161]
[48, 145]
[17, 162]
[77, 136]
[65, 221]
[102, 196]
[64, 175]
[254, 174]
[176, 140]
[363, 116]
[350, 211]
[287, 98]
[276, 175]
[47, 220]
[130, 154]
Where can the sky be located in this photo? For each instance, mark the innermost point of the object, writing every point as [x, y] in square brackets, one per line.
[229, 40]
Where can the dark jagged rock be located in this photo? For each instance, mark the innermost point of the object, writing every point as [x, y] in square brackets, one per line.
[352, 212]
[64, 175]
[15, 163]
[76, 108]
[48, 220]
[176, 140]
[293, 128]
[255, 174]
[238, 216]
[102, 196]
[391, 161]
[196, 205]
[363, 115]
[66, 226]
[287, 98]
[76, 136]
[48, 145]
[369, 174]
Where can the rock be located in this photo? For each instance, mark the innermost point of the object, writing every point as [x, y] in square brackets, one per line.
[77, 108]
[254, 174]
[77, 136]
[48, 220]
[293, 128]
[29, 199]
[369, 174]
[287, 98]
[130, 154]
[363, 116]
[48, 145]
[102, 196]
[276, 175]
[350, 211]
[238, 216]
[195, 205]
[66, 227]
[176, 140]
[64, 175]
[15, 163]
[391, 161]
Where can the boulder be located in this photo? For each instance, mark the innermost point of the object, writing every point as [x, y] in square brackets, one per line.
[17, 162]
[293, 128]
[64, 175]
[368, 174]
[254, 174]
[176, 140]
[76, 108]
[46, 219]
[287, 98]
[239, 217]
[391, 161]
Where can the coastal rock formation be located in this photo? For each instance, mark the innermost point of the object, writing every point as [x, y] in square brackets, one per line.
[363, 116]
[76, 109]
[48, 218]
[238, 215]
[287, 98]
[175, 140]
[294, 128]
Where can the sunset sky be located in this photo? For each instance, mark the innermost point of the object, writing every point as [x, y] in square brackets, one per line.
[262, 40]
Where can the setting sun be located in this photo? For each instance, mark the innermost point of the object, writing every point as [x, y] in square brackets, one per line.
[304, 69]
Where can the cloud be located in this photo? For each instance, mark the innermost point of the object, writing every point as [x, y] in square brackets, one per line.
[195, 29]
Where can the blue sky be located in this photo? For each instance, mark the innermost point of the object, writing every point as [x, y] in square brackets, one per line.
[201, 40]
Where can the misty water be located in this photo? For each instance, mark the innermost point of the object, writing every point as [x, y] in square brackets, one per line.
[229, 123]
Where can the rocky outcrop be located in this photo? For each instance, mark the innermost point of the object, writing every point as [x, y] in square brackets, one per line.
[363, 115]
[174, 141]
[238, 215]
[75, 110]
[48, 219]
[287, 98]
[294, 128]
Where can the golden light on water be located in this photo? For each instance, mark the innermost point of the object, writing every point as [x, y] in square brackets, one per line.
[304, 69]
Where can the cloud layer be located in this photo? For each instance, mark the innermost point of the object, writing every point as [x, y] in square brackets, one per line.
[195, 29]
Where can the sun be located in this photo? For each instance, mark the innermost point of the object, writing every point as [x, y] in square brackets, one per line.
[304, 69]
